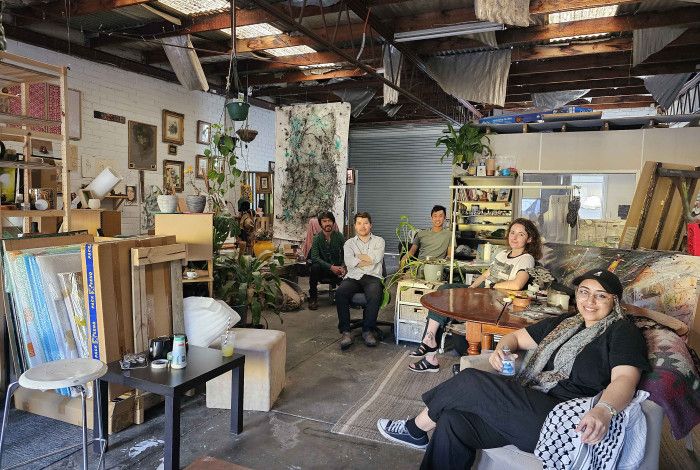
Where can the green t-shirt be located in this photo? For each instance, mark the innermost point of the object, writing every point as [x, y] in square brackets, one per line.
[433, 244]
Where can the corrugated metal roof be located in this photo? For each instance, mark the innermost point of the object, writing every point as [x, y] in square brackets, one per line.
[115, 19]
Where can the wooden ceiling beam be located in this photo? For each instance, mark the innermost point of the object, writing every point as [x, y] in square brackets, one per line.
[298, 76]
[571, 50]
[57, 10]
[366, 83]
[614, 24]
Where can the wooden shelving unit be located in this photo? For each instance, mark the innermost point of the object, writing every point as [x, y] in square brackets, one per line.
[17, 70]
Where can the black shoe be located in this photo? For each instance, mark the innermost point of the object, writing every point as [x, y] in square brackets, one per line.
[313, 304]
[395, 431]
[455, 369]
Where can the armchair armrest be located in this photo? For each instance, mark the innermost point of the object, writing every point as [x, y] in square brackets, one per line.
[481, 362]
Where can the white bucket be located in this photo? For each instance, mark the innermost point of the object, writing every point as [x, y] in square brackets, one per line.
[432, 272]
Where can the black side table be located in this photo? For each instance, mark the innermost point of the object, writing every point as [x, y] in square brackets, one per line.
[203, 364]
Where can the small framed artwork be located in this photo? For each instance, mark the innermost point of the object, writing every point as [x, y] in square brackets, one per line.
[503, 195]
[172, 149]
[202, 167]
[174, 170]
[173, 127]
[350, 176]
[130, 196]
[203, 132]
[271, 166]
[262, 183]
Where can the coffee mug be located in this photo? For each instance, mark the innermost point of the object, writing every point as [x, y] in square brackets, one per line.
[160, 347]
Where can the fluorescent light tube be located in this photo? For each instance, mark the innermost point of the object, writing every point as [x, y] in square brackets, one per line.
[447, 31]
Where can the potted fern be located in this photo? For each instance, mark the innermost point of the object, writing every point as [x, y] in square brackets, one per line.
[464, 144]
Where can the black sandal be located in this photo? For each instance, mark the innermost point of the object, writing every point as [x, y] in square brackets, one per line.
[424, 366]
[422, 350]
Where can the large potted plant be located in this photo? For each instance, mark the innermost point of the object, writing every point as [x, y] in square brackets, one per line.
[249, 284]
[465, 144]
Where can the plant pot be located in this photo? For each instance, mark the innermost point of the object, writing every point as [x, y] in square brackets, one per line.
[196, 203]
[262, 246]
[247, 135]
[237, 110]
[432, 272]
[167, 203]
[490, 167]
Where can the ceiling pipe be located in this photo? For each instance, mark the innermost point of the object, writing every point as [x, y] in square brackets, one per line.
[263, 4]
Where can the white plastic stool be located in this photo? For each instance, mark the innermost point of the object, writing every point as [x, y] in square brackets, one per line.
[54, 375]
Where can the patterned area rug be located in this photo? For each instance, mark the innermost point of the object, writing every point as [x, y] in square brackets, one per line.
[395, 395]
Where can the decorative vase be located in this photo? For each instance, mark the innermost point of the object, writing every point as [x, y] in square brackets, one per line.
[237, 110]
[261, 246]
[196, 203]
[490, 166]
[94, 204]
[167, 203]
[471, 169]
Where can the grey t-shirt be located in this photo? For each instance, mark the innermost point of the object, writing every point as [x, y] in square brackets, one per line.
[433, 244]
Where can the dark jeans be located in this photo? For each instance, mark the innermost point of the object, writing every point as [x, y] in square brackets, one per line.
[318, 273]
[441, 320]
[480, 410]
[372, 288]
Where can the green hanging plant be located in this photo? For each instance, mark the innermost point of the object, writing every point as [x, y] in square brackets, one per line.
[464, 144]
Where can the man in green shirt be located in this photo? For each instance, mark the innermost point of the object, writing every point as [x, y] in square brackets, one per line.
[432, 243]
[326, 257]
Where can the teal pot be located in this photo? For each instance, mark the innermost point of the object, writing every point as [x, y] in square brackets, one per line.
[167, 204]
[237, 110]
[196, 203]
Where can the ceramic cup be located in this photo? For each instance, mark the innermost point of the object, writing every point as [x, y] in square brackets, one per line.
[94, 203]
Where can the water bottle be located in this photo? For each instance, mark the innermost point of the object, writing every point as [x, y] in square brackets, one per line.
[179, 355]
[508, 367]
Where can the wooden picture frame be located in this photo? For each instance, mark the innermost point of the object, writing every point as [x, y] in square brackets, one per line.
[173, 127]
[172, 149]
[263, 183]
[503, 195]
[203, 132]
[271, 166]
[177, 169]
[142, 146]
[349, 176]
[201, 167]
[131, 196]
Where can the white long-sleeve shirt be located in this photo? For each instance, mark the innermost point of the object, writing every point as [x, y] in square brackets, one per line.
[354, 247]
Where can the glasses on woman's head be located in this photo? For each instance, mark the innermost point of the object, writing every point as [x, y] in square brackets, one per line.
[598, 297]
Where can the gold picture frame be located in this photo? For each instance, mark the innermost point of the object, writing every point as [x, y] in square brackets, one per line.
[263, 183]
[173, 127]
[177, 174]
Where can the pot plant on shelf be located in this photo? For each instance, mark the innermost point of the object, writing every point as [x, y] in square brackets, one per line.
[249, 285]
[167, 199]
[195, 202]
[464, 144]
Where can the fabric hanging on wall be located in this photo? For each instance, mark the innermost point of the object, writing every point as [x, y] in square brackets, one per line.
[311, 159]
[648, 41]
[486, 37]
[665, 88]
[478, 76]
[511, 12]
[185, 62]
[555, 99]
[358, 99]
[393, 60]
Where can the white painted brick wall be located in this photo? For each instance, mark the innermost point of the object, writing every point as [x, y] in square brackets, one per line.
[140, 98]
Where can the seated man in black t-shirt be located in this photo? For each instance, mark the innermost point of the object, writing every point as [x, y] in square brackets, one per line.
[579, 355]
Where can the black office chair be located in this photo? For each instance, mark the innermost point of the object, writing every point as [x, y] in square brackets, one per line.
[359, 301]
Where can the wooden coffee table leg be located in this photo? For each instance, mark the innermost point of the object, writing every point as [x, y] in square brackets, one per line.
[474, 334]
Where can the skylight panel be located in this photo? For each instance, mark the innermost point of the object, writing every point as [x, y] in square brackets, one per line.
[329, 65]
[583, 14]
[197, 7]
[292, 50]
[253, 31]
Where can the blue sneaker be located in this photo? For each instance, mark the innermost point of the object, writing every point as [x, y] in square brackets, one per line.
[395, 431]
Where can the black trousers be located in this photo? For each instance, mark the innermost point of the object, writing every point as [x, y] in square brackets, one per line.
[373, 289]
[480, 410]
[318, 273]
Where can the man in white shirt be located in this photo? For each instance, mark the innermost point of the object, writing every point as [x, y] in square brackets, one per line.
[364, 255]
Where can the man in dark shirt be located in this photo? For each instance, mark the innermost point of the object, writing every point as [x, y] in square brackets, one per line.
[326, 257]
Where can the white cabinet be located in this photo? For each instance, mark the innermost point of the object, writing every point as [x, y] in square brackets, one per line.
[410, 316]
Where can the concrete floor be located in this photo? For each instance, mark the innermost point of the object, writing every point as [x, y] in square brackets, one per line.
[322, 383]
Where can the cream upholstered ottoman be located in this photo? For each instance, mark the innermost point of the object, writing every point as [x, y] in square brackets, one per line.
[265, 354]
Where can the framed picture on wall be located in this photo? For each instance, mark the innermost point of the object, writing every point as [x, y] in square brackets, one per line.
[130, 196]
[203, 132]
[350, 176]
[172, 149]
[262, 183]
[173, 127]
[202, 167]
[271, 166]
[174, 171]
[142, 146]
[503, 195]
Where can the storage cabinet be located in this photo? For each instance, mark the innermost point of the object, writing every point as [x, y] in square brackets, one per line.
[410, 316]
[103, 222]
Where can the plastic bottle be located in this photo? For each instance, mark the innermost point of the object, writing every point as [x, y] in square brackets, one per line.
[508, 367]
[179, 357]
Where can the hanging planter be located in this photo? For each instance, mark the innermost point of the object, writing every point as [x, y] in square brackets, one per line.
[237, 110]
[247, 135]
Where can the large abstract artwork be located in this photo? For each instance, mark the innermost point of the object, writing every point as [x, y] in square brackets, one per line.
[311, 157]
